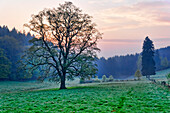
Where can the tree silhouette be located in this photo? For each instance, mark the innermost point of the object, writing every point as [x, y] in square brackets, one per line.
[65, 45]
[148, 63]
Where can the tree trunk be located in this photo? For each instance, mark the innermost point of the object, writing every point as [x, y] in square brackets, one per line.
[63, 85]
[148, 76]
[138, 78]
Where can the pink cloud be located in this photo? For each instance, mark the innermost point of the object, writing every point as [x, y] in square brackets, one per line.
[137, 15]
[153, 4]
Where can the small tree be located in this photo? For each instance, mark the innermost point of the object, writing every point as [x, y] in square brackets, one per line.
[96, 78]
[138, 74]
[148, 63]
[111, 78]
[104, 78]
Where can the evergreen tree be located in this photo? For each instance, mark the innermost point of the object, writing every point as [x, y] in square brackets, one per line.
[148, 63]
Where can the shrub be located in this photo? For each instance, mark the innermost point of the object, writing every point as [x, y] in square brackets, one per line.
[104, 78]
[97, 79]
[82, 80]
[111, 78]
[168, 78]
[163, 83]
[138, 74]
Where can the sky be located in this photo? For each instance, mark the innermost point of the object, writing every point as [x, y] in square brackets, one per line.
[124, 23]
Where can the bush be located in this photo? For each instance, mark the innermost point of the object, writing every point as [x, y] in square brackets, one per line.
[104, 78]
[82, 80]
[96, 80]
[138, 74]
[163, 83]
[111, 78]
[168, 78]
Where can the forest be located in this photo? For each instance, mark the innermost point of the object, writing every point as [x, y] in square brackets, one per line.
[12, 44]
[120, 67]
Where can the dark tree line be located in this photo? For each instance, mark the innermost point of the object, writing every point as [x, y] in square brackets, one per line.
[126, 66]
[12, 44]
[165, 52]
[22, 38]
[118, 66]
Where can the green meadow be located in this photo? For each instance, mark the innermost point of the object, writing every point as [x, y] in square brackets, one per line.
[118, 97]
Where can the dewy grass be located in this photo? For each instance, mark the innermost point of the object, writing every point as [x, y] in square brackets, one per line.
[123, 98]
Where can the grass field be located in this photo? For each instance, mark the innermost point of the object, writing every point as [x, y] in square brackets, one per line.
[161, 75]
[14, 86]
[127, 97]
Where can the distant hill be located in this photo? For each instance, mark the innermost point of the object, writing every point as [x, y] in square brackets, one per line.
[165, 52]
[161, 75]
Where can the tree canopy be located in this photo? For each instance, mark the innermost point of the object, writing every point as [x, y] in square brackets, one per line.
[65, 45]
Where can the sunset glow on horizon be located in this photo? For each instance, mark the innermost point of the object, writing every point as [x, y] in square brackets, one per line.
[124, 23]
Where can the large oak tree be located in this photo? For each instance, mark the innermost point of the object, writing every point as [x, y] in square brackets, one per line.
[65, 45]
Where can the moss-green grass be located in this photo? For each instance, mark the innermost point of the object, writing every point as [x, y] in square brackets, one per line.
[104, 98]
